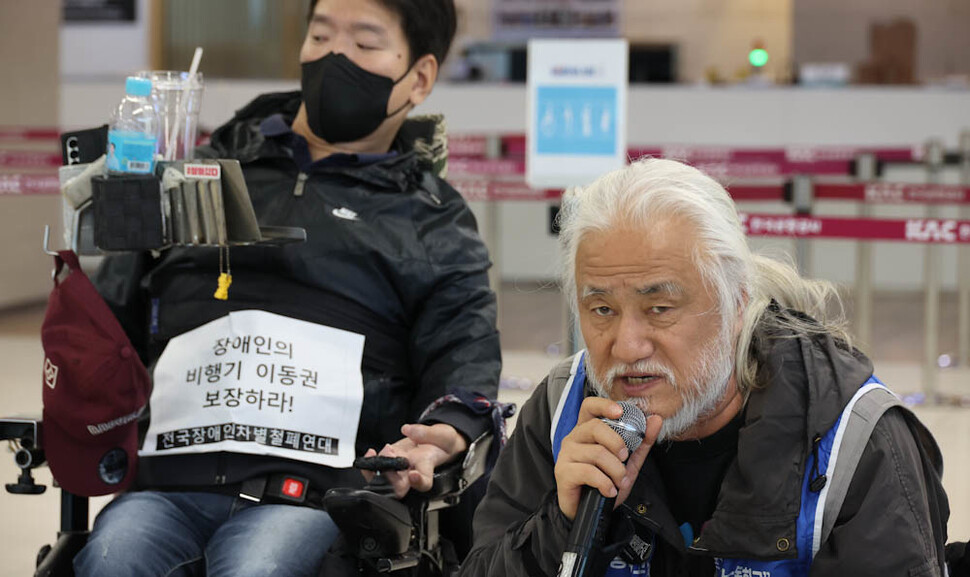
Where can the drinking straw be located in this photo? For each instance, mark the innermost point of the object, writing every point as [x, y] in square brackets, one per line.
[170, 138]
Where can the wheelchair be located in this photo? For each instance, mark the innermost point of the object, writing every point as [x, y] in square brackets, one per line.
[380, 535]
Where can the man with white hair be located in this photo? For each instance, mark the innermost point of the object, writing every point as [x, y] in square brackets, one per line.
[770, 449]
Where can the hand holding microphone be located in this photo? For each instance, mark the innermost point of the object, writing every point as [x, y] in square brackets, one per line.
[597, 466]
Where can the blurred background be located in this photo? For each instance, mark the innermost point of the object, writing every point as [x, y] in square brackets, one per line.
[766, 95]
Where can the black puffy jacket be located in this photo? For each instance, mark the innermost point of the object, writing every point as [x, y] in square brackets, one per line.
[409, 273]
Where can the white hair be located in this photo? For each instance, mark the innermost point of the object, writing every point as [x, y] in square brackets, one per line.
[742, 283]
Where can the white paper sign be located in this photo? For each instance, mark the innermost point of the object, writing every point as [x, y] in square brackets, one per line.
[577, 110]
[259, 383]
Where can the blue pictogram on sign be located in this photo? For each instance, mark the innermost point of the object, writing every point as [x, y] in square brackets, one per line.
[576, 120]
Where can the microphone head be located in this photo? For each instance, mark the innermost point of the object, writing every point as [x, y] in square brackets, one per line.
[631, 426]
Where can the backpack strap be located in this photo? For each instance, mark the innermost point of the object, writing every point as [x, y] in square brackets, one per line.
[564, 395]
[560, 377]
[854, 429]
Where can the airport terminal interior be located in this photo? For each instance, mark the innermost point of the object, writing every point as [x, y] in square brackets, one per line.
[841, 129]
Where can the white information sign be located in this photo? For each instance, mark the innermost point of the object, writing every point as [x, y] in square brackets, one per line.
[259, 383]
[577, 110]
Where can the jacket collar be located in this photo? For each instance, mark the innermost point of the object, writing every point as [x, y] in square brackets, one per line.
[419, 146]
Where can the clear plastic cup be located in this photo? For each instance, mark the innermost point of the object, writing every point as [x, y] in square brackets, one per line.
[169, 95]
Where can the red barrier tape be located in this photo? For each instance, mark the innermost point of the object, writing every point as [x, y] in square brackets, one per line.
[489, 167]
[462, 166]
[794, 155]
[894, 193]
[29, 184]
[480, 189]
[495, 190]
[874, 193]
[28, 159]
[755, 169]
[717, 161]
[921, 230]
[742, 193]
[515, 145]
[467, 145]
[714, 169]
[17, 133]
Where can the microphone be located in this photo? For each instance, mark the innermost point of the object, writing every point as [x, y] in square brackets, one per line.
[595, 510]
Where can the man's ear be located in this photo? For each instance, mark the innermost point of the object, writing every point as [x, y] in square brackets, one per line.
[426, 71]
[742, 307]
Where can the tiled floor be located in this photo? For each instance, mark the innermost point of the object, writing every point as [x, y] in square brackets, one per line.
[531, 325]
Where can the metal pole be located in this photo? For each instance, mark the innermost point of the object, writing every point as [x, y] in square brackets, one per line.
[931, 279]
[866, 171]
[963, 262]
[493, 236]
[803, 195]
[74, 512]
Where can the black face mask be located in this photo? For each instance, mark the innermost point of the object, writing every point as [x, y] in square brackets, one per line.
[344, 102]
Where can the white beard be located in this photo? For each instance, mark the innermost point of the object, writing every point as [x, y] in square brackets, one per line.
[702, 392]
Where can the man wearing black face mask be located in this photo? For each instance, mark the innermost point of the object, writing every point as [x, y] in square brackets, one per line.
[345, 103]
[392, 253]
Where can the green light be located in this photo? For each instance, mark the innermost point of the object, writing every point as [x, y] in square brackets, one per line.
[758, 57]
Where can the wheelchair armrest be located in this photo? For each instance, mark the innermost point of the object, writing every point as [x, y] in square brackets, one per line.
[449, 479]
[377, 525]
[26, 433]
[452, 478]
[390, 532]
[24, 429]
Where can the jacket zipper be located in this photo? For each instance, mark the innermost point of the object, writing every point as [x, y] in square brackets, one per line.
[300, 184]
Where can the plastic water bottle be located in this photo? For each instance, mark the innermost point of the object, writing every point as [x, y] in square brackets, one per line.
[133, 131]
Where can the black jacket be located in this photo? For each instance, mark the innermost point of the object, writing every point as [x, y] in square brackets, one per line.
[893, 520]
[409, 273]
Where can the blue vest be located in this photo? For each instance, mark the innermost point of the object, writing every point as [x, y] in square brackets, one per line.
[809, 524]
